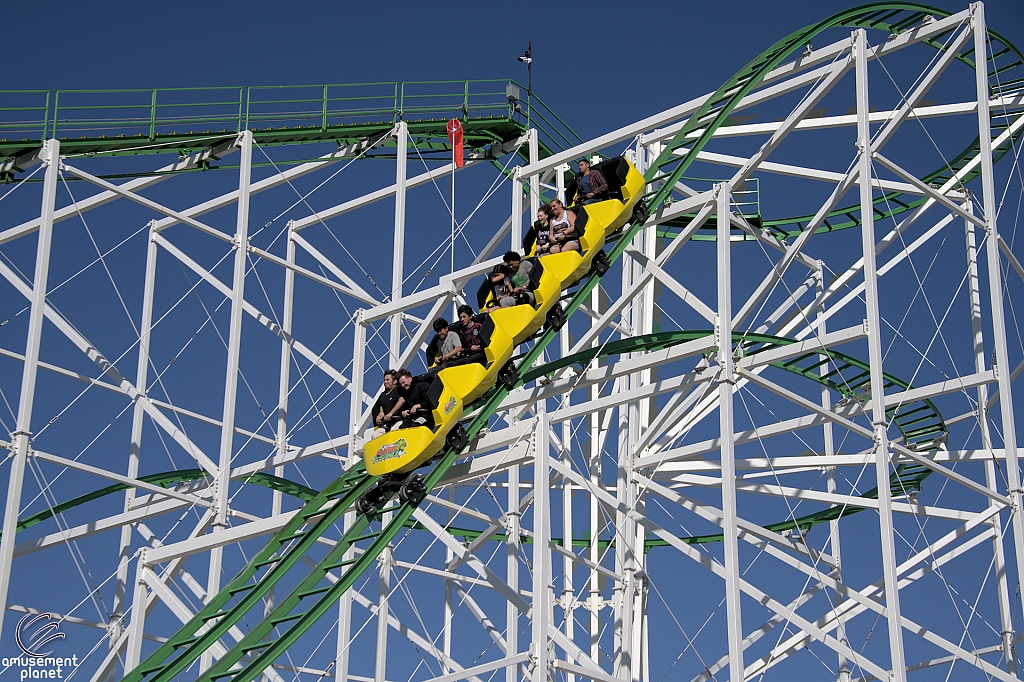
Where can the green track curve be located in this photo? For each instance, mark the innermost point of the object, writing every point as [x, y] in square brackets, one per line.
[167, 479]
[1006, 77]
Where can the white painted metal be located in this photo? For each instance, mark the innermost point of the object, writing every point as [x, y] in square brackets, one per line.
[241, 261]
[879, 419]
[995, 280]
[398, 262]
[22, 436]
[726, 385]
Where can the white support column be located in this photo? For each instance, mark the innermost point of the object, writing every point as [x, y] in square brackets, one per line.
[137, 624]
[135, 447]
[343, 648]
[355, 409]
[625, 489]
[878, 417]
[383, 590]
[726, 384]
[560, 172]
[21, 439]
[843, 671]
[533, 181]
[629, 533]
[286, 362]
[542, 607]
[991, 479]
[284, 379]
[517, 209]
[647, 242]
[995, 284]
[568, 595]
[512, 521]
[449, 610]
[227, 433]
[398, 265]
[595, 599]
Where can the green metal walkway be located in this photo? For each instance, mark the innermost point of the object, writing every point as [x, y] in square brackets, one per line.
[183, 120]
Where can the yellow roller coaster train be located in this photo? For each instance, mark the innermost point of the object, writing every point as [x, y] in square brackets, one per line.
[403, 450]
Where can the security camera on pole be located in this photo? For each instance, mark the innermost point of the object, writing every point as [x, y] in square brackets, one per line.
[527, 58]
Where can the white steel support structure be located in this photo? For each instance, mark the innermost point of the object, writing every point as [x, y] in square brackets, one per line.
[878, 416]
[995, 285]
[726, 383]
[398, 263]
[138, 415]
[991, 478]
[541, 615]
[241, 258]
[608, 524]
[22, 436]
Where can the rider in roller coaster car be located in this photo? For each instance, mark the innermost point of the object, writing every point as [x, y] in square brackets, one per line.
[591, 184]
[387, 410]
[496, 286]
[445, 347]
[510, 284]
[460, 343]
[539, 234]
[420, 399]
[520, 278]
[565, 233]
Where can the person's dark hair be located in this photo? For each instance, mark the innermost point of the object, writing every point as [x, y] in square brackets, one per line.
[512, 256]
[499, 269]
[440, 323]
[393, 373]
[583, 161]
[404, 373]
[465, 309]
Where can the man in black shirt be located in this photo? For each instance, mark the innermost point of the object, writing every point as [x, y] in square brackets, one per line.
[386, 411]
[416, 410]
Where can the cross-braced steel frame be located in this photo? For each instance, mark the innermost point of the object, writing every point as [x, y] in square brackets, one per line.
[673, 490]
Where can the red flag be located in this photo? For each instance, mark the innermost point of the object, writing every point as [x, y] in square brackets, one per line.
[455, 137]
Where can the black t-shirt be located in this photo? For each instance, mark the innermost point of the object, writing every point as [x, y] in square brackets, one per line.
[418, 394]
[386, 402]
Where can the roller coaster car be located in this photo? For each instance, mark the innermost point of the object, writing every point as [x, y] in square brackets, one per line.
[403, 450]
[396, 453]
[616, 174]
[473, 379]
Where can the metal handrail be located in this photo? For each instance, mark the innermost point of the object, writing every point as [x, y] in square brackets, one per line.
[152, 112]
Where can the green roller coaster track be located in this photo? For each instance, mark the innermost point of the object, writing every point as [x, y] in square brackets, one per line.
[317, 592]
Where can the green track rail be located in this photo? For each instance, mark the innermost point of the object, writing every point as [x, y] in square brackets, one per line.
[166, 480]
[319, 591]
